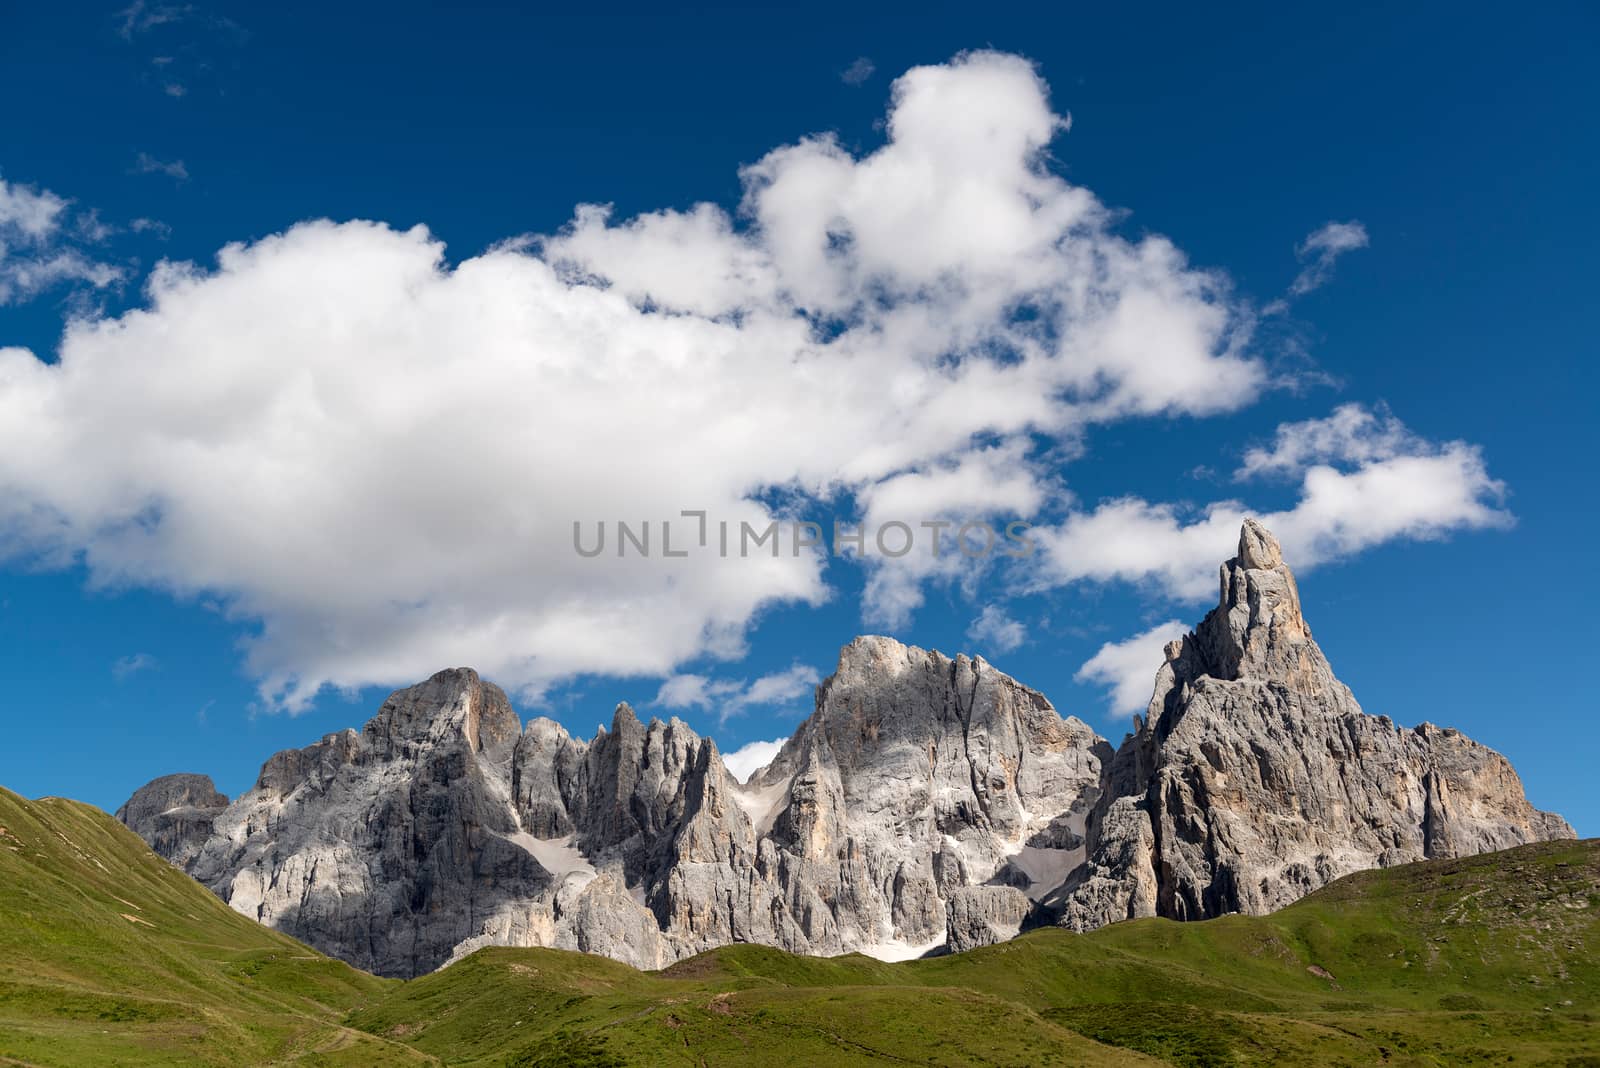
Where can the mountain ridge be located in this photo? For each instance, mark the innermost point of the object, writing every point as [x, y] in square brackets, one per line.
[928, 804]
[113, 956]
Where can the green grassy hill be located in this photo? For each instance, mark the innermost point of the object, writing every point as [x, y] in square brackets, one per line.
[108, 956]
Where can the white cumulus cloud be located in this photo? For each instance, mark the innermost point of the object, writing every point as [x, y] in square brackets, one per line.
[1353, 432]
[373, 457]
[750, 758]
[1358, 488]
[1128, 668]
[32, 214]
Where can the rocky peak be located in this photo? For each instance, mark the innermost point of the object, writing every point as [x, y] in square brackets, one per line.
[1258, 549]
[937, 792]
[454, 704]
[544, 768]
[885, 692]
[184, 790]
[1258, 778]
[175, 814]
[631, 783]
[875, 655]
[1257, 629]
[624, 717]
[317, 764]
[547, 733]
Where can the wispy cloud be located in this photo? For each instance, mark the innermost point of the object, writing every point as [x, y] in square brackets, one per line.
[732, 697]
[182, 58]
[130, 665]
[148, 164]
[1321, 249]
[996, 632]
[151, 226]
[1353, 434]
[88, 226]
[141, 17]
[857, 72]
[38, 244]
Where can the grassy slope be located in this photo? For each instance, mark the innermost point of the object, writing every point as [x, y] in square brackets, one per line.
[109, 956]
[1482, 960]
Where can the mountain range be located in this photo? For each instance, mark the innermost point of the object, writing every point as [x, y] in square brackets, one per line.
[928, 805]
[109, 955]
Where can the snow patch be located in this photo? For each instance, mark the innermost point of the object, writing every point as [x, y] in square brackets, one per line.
[558, 856]
[898, 949]
[1046, 869]
[762, 805]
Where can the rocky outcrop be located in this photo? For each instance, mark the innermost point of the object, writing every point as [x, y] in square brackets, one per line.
[1255, 777]
[928, 804]
[917, 778]
[384, 847]
[175, 814]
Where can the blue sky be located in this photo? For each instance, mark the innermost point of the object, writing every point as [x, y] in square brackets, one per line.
[1461, 140]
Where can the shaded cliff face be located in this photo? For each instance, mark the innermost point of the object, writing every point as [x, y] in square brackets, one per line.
[384, 846]
[1256, 777]
[928, 803]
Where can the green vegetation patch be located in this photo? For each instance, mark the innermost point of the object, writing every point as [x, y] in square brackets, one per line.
[109, 956]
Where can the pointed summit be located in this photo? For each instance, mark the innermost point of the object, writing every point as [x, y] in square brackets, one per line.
[1257, 547]
[1257, 778]
[1257, 628]
[624, 720]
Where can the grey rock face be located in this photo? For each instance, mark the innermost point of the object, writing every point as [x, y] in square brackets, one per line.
[175, 814]
[927, 804]
[918, 777]
[984, 915]
[385, 847]
[1256, 778]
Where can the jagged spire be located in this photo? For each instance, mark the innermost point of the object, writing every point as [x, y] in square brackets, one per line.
[1257, 547]
[1258, 778]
